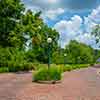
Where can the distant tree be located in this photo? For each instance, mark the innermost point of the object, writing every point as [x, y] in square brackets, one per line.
[96, 32]
[79, 53]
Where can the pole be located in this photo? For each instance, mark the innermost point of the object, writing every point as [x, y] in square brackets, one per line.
[49, 58]
[64, 61]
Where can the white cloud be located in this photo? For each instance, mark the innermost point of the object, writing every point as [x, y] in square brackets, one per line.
[92, 20]
[76, 29]
[95, 15]
[52, 14]
[69, 29]
[86, 38]
[72, 25]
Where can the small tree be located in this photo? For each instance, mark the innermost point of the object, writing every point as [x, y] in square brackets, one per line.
[96, 33]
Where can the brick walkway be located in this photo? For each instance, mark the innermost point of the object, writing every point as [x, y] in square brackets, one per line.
[81, 84]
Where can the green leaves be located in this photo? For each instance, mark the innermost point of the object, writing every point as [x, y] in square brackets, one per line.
[77, 53]
[80, 52]
[96, 33]
[10, 29]
[16, 25]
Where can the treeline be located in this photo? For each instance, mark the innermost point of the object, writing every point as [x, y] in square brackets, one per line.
[76, 53]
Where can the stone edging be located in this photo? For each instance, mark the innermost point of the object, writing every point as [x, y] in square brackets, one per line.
[48, 82]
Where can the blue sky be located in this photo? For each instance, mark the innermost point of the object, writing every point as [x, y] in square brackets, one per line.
[73, 19]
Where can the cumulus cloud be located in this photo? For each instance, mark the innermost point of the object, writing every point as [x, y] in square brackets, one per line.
[72, 25]
[78, 28]
[69, 29]
[95, 15]
[52, 14]
[86, 38]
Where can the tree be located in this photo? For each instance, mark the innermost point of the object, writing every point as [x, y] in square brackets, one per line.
[79, 53]
[38, 32]
[10, 29]
[19, 28]
[96, 32]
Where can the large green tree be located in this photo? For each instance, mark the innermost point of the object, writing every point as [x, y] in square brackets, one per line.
[10, 18]
[38, 32]
[19, 28]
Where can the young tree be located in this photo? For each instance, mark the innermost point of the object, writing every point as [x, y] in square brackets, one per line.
[96, 32]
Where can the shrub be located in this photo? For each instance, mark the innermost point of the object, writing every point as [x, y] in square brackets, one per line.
[14, 59]
[39, 66]
[45, 74]
[4, 69]
[67, 68]
[15, 67]
[74, 66]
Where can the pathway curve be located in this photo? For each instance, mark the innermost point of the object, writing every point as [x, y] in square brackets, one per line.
[81, 84]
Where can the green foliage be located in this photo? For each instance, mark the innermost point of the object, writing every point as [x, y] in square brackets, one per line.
[45, 74]
[58, 56]
[14, 59]
[96, 32]
[79, 53]
[76, 53]
[10, 14]
[55, 71]
[4, 70]
[15, 67]
[39, 66]
[18, 28]
[41, 49]
[74, 66]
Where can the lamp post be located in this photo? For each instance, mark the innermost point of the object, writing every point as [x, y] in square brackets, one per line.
[49, 41]
[65, 58]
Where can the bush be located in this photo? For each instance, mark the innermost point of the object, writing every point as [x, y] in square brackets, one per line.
[15, 67]
[67, 68]
[4, 69]
[74, 66]
[39, 66]
[45, 74]
[14, 59]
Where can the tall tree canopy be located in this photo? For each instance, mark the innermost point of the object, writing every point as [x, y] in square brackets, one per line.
[10, 14]
[38, 33]
[19, 27]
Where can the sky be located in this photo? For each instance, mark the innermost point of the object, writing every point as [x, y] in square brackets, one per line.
[73, 19]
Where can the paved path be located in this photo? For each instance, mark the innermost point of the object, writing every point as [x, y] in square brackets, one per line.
[81, 84]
